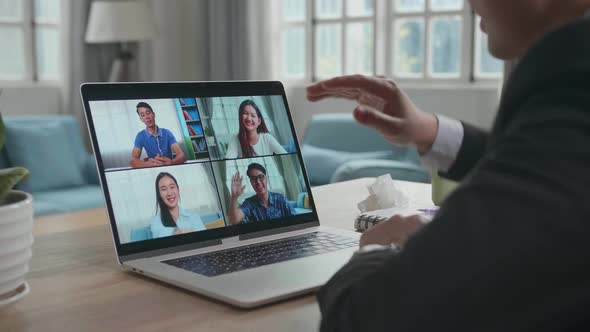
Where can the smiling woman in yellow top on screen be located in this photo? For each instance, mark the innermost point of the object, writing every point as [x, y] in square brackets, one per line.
[253, 139]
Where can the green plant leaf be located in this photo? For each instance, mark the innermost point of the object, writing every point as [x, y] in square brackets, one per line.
[9, 177]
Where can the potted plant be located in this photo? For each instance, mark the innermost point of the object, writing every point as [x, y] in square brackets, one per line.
[16, 236]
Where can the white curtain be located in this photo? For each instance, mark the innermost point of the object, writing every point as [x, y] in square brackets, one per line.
[291, 168]
[133, 194]
[280, 119]
[239, 39]
[87, 63]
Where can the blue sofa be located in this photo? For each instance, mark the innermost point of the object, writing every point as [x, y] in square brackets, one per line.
[63, 176]
[336, 148]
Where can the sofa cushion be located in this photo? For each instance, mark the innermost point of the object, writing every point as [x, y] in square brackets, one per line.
[141, 234]
[210, 217]
[89, 170]
[67, 200]
[339, 131]
[301, 199]
[302, 211]
[43, 208]
[306, 204]
[321, 163]
[45, 149]
[399, 170]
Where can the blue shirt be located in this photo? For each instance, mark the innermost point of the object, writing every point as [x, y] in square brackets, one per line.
[186, 220]
[158, 144]
[278, 207]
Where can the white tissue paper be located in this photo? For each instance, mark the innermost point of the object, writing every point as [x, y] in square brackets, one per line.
[383, 195]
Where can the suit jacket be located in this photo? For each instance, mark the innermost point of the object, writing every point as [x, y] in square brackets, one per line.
[509, 250]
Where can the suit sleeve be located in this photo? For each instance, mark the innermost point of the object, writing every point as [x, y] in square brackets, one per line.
[471, 151]
[507, 251]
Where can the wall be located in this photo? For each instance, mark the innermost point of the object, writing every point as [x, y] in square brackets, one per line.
[476, 105]
[31, 99]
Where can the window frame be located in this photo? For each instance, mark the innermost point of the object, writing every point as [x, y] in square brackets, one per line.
[383, 19]
[29, 24]
[477, 74]
[344, 21]
[428, 15]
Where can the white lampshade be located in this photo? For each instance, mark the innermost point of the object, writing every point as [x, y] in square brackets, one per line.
[119, 21]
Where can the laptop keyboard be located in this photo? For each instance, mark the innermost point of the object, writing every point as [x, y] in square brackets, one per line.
[259, 254]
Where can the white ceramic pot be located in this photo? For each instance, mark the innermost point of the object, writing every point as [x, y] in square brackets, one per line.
[16, 239]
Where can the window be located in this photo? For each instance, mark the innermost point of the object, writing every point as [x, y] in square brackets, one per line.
[31, 40]
[413, 40]
[427, 42]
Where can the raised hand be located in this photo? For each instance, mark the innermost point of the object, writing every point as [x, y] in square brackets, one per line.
[382, 106]
[236, 185]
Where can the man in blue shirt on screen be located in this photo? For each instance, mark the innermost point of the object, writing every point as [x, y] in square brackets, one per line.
[159, 143]
[264, 205]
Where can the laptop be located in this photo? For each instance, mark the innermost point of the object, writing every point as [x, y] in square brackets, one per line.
[206, 189]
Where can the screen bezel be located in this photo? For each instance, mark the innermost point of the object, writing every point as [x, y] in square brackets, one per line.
[125, 91]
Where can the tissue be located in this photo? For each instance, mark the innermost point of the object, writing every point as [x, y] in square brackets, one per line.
[383, 195]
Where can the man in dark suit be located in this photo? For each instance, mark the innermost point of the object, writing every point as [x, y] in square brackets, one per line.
[508, 250]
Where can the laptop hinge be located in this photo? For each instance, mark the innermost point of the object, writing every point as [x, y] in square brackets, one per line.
[277, 230]
[171, 250]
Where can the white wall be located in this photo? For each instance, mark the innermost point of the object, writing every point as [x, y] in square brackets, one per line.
[476, 105]
[31, 99]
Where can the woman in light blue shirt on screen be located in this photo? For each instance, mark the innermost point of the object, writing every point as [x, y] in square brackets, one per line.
[170, 218]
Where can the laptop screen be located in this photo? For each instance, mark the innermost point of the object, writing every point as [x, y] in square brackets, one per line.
[177, 166]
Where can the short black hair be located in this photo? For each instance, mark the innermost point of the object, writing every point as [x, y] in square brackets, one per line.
[256, 166]
[144, 105]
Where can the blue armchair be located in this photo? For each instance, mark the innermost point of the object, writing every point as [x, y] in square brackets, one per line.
[63, 174]
[336, 148]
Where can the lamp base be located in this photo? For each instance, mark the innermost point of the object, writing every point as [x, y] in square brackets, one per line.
[120, 69]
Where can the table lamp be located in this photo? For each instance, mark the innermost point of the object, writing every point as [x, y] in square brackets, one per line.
[120, 22]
